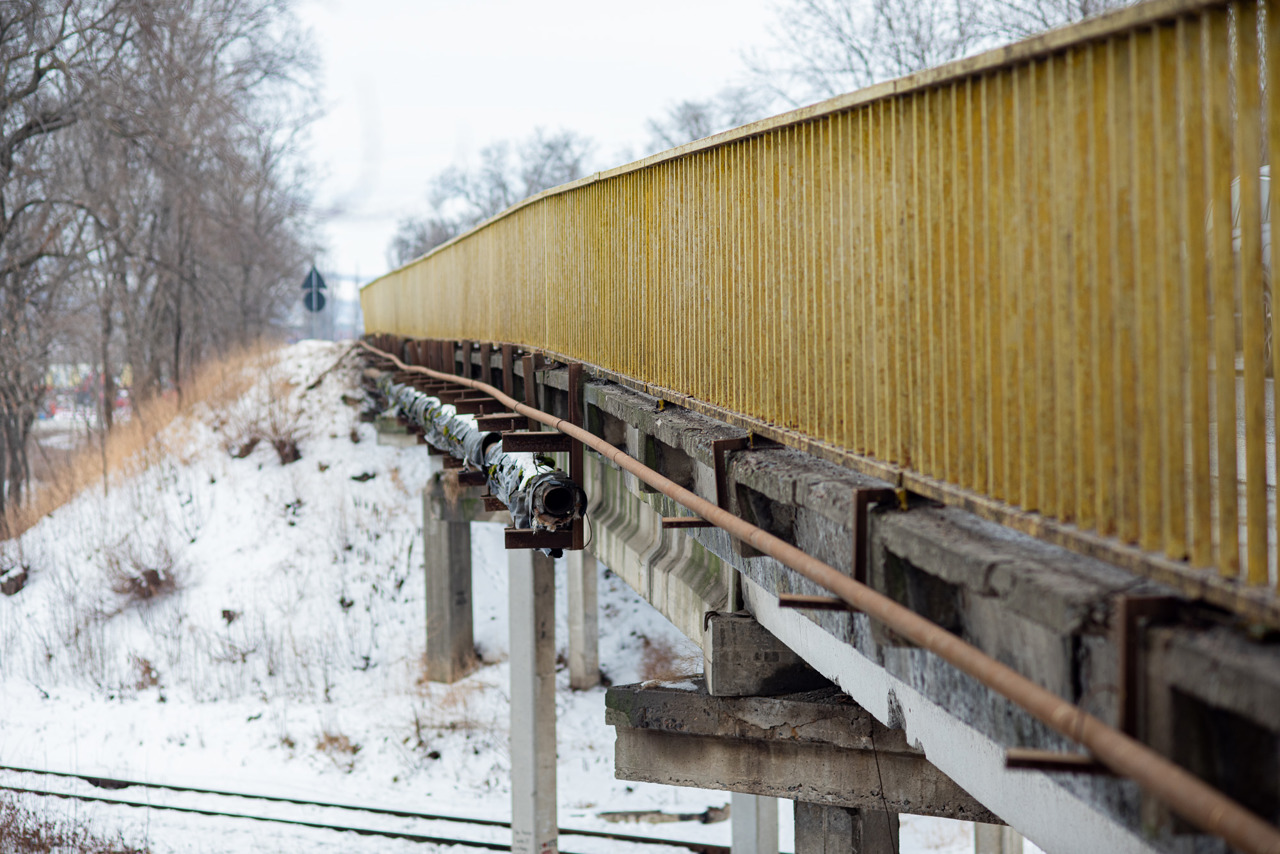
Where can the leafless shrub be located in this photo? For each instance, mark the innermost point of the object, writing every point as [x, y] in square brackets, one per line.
[282, 421]
[145, 672]
[140, 573]
[23, 831]
[13, 570]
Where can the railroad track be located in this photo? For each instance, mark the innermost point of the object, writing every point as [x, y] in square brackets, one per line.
[443, 825]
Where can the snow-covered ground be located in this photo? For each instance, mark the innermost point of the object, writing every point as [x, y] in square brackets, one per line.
[286, 658]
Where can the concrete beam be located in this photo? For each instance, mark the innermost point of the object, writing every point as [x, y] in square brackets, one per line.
[817, 747]
[533, 702]
[584, 613]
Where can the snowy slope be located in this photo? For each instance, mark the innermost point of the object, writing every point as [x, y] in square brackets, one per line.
[295, 629]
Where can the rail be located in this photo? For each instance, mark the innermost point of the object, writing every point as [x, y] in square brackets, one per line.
[218, 796]
[1000, 283]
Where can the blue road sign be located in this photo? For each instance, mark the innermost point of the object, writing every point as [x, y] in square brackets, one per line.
[313, 284]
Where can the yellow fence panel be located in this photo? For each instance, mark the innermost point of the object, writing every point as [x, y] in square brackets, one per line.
[1036, 283]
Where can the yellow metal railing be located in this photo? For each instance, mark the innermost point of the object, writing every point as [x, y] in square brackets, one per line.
[1002, 282]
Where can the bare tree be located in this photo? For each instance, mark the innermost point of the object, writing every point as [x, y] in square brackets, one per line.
[1010, 20]
[689, 120]
[51, 54]
[460, 198]
[824, 48]
[148, 180]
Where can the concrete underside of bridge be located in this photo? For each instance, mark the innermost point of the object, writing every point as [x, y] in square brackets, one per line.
[1199, 689]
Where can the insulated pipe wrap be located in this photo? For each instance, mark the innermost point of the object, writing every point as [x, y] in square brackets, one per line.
[538, 496]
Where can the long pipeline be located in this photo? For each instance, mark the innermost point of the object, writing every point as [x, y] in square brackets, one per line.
[1183, 792]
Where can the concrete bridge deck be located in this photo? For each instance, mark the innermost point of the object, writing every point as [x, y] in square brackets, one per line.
[1184, 679]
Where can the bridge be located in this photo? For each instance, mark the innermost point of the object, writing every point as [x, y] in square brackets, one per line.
[952, 396]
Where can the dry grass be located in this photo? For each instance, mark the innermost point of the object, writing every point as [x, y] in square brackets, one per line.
[662, 662]
[340, 749]
[217, 384]
[335, 743]
[23, 831]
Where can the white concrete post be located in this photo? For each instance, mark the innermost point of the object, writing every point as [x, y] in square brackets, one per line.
[533, 702]
[996, 839]
[584, 631]
[753, 824]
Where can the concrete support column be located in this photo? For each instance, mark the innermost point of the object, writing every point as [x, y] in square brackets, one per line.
[995, 839]
[533, 702]
[584, 630]
[837, 830]
[753, 824]
[446, 542]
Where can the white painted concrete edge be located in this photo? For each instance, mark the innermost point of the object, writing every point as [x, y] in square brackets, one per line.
[1043, 812]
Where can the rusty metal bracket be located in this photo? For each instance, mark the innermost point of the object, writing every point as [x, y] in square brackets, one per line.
[471, 477]
[862, 500]
[575, 447]
[719, 452]
[670, 522]
[508, 379]
[476, 405]
[492, 504]
[486, 363]
[527, 538]
[1028, 759]
[535, 442]
[1133, 614]
[450, 462]
[814, 603]
[464, 359]
[529, 363]
[502, 422]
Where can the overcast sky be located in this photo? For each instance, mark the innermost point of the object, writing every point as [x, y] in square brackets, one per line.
[412, 87]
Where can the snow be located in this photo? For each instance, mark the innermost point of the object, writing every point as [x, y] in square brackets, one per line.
[297, 620]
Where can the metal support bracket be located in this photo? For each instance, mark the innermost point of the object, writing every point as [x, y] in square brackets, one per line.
[862, 500]
[575, 448]
[471, 477]
[501, 422]
[527, 538]
[1133, 614]
[535, 442]
[669, 522]
[1027, 759]
[814, 603]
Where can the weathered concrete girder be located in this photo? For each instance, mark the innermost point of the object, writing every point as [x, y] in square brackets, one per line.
[818, 747]
[1045, 611]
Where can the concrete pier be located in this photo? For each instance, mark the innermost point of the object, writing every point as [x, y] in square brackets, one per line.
[446, 549]
[838, 830]
[584, 628]
[754, 824]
